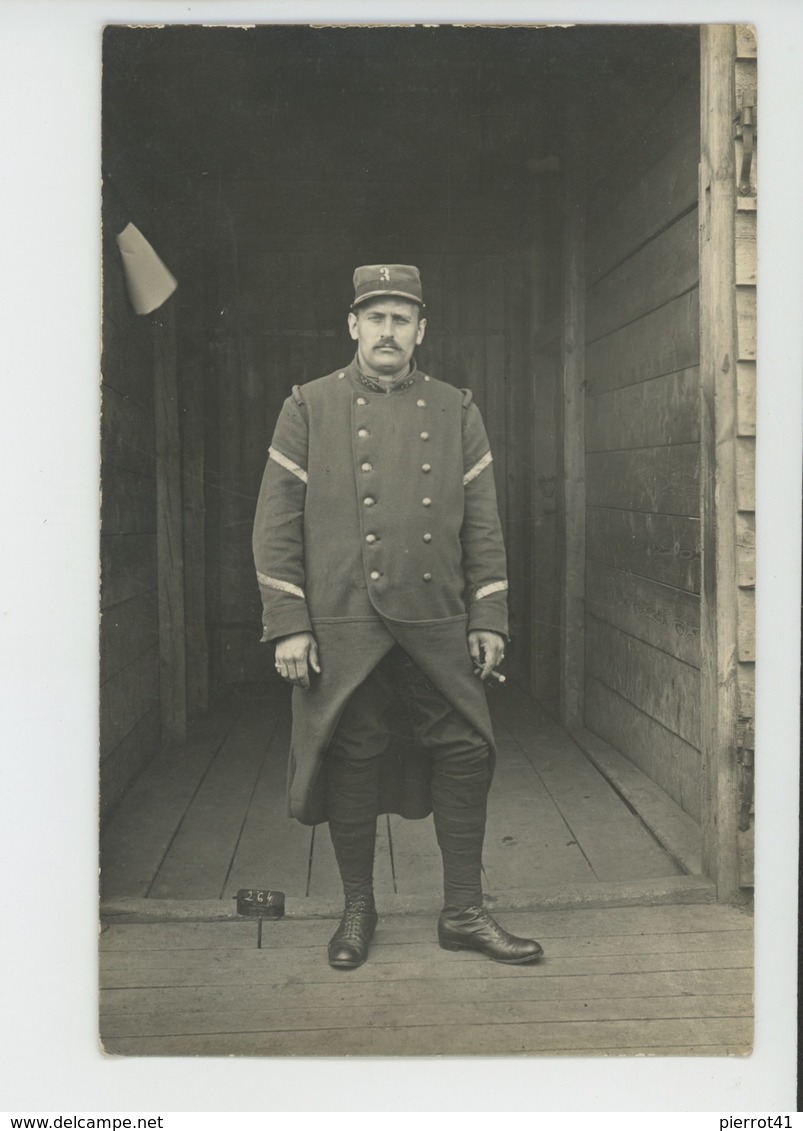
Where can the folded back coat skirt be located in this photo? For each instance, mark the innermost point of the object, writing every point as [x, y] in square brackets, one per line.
[349, 652]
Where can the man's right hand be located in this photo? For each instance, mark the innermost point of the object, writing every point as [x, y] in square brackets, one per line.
[295, 655]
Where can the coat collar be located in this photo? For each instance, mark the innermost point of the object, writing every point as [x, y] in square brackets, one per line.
[384, 386]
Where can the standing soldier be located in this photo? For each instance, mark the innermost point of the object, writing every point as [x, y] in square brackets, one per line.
[381, 565]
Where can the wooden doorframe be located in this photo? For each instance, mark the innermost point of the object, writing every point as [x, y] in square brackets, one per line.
[718, 432]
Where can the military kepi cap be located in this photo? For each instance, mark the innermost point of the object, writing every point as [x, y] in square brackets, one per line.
[397, 279]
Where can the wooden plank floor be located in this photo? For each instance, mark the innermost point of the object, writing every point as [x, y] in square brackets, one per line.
[659, 981]
[211, 820]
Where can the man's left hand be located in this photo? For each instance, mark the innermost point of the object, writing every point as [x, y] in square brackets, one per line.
[487, 650]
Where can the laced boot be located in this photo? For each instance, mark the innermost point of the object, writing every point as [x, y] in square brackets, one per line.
[472, 928]
[348, 946]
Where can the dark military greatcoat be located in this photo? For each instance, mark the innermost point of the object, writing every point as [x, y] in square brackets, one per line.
[377, 525]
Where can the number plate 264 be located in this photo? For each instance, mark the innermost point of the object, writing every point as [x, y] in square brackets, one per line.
[260, 902]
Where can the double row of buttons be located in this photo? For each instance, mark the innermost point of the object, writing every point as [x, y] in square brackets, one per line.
[369, 500]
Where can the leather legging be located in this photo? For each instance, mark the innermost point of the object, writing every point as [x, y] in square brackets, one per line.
[460, 778]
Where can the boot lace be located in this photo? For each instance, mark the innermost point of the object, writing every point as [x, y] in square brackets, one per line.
[357, 908]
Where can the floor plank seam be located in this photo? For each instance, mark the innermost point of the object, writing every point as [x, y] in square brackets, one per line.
[251, 795]
[292, 942]
[616, 790]
[364, 981]
[597, 763]
[310, 860]
[550, 795]
[235, 718]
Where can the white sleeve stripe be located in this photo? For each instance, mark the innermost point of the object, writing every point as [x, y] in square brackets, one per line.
[487, 590]
[288, 464]
[478, 468]
[283, 586]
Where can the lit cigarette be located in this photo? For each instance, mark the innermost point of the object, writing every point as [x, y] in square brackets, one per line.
[493, 675]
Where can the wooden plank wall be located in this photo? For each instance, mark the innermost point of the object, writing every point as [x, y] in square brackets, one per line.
[129, 649]
[642, 437]
[746, 200]
[545, 555]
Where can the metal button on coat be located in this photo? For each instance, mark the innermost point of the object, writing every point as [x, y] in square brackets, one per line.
[368, 501]
[427, 501]
[375, 575]
[427, 577]
[370, 538]
[367, 467]
[427, 537]
[362, 401]
[421, 404]
[363, 433]
[426, 467]
[425, 435]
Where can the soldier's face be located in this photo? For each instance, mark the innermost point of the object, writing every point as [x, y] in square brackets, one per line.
[387, 331]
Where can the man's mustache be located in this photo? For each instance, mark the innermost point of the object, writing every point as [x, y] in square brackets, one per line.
[391, 345]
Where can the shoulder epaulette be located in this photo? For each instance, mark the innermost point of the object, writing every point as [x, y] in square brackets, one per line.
[297, 397]
[468, 397]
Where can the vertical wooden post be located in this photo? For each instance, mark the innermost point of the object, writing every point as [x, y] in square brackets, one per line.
[718, 354]
[514, 316]
[197, 649]
[169, 548]
[573, 509]
[192, 378]
[213, 279]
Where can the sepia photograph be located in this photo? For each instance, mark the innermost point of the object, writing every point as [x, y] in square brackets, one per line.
[427, 540]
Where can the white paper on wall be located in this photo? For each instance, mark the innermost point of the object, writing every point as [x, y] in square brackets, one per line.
[148, 280]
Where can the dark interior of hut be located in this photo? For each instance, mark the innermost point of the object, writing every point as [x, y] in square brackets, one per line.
[263, 165]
